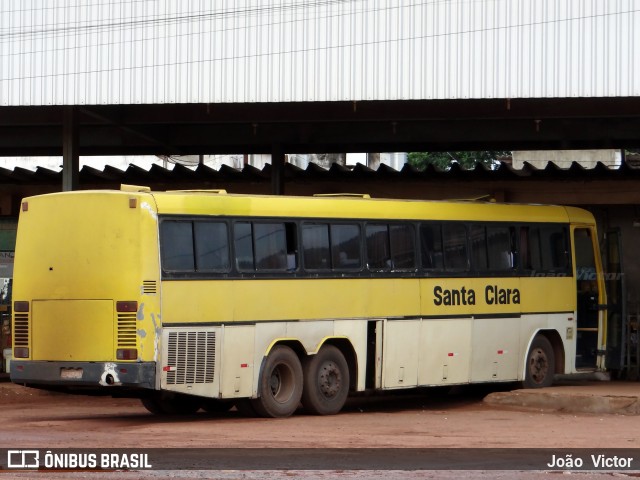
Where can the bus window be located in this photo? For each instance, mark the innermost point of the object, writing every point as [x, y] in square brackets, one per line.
[431, 246]
[315, 247]
[544, 249]
[390, 247]
[403, 248]
[500, 248]
[243, 246]
[345, 247]
[176, 243]
[262, 246]
[557, 248]
[212, 246]
[378, 251]
[270, 246]
[478, 237]
[454, 241]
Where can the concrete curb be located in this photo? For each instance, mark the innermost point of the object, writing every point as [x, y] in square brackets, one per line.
[573, 399]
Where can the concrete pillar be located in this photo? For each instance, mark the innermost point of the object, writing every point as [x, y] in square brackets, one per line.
[277, 170]
[70, 153]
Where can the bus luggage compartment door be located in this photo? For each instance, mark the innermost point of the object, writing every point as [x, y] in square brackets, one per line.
[399, 359]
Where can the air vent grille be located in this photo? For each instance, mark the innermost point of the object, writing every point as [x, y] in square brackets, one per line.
[191, 357]
[21, 329]
[127, 333]
[149, 287]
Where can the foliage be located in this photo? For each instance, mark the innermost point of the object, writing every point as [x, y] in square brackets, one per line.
[444, 160]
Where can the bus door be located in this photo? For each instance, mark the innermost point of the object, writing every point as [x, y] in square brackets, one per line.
[590, 298]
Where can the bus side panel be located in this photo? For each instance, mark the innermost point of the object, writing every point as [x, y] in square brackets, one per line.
[238, 361]
[496, 349]
[253, 300]
[399, 359]
[549, 304]
[356, 333]
[562, 323]
[444, 351]
[310, 334]
[267, 334]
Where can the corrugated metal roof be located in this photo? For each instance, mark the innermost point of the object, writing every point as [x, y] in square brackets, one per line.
[66, 52]
[249, 174]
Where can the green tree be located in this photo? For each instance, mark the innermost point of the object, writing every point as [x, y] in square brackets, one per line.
[444, 160]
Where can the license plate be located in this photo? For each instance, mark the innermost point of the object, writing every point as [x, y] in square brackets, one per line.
[71, 373]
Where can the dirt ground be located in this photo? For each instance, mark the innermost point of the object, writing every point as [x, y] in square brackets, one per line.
[427, 421]
[29, 418]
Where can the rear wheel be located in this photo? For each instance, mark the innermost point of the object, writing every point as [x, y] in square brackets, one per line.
[280, 384]
[169, 403]
[326, 381]
[540, 364]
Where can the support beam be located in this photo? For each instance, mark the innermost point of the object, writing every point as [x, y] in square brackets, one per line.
[277, 170]
[70, 152]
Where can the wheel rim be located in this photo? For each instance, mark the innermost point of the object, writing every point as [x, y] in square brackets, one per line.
[330, 379]
[538, 365]
[281, 383]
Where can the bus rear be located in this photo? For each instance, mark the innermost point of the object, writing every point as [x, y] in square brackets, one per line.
[86, 293]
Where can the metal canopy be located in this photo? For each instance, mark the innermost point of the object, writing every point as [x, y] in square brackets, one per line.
[318, 127]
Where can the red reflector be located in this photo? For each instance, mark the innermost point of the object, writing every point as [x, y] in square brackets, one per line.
[20, 352]
[244, 365]
[22, 307]
[168, 368]
[20, 368]
[25, 206]
[123, 370]
[500, 352]
[126, 306]
[450, 354]
[127, 354]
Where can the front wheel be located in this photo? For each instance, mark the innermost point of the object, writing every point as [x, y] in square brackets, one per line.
[280, 384]
[326, 381]
[540, 364]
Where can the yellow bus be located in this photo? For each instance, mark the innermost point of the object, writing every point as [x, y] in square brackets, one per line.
[191, 299]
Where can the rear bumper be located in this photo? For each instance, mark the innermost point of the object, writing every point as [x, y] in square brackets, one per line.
[109, 375]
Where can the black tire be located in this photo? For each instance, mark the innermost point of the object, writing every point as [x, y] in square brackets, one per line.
[245, 408]
[169, 403]
[152, 405]
[326, 381]
[541, 364]
[280, 386]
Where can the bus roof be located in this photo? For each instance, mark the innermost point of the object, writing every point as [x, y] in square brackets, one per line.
[219, 203]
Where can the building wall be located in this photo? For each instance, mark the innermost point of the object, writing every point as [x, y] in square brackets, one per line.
[626, 218]
[57, 52]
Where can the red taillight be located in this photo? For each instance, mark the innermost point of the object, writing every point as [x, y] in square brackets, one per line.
[21, 307]
[21, 352]
[123, 307]
[127, 354]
